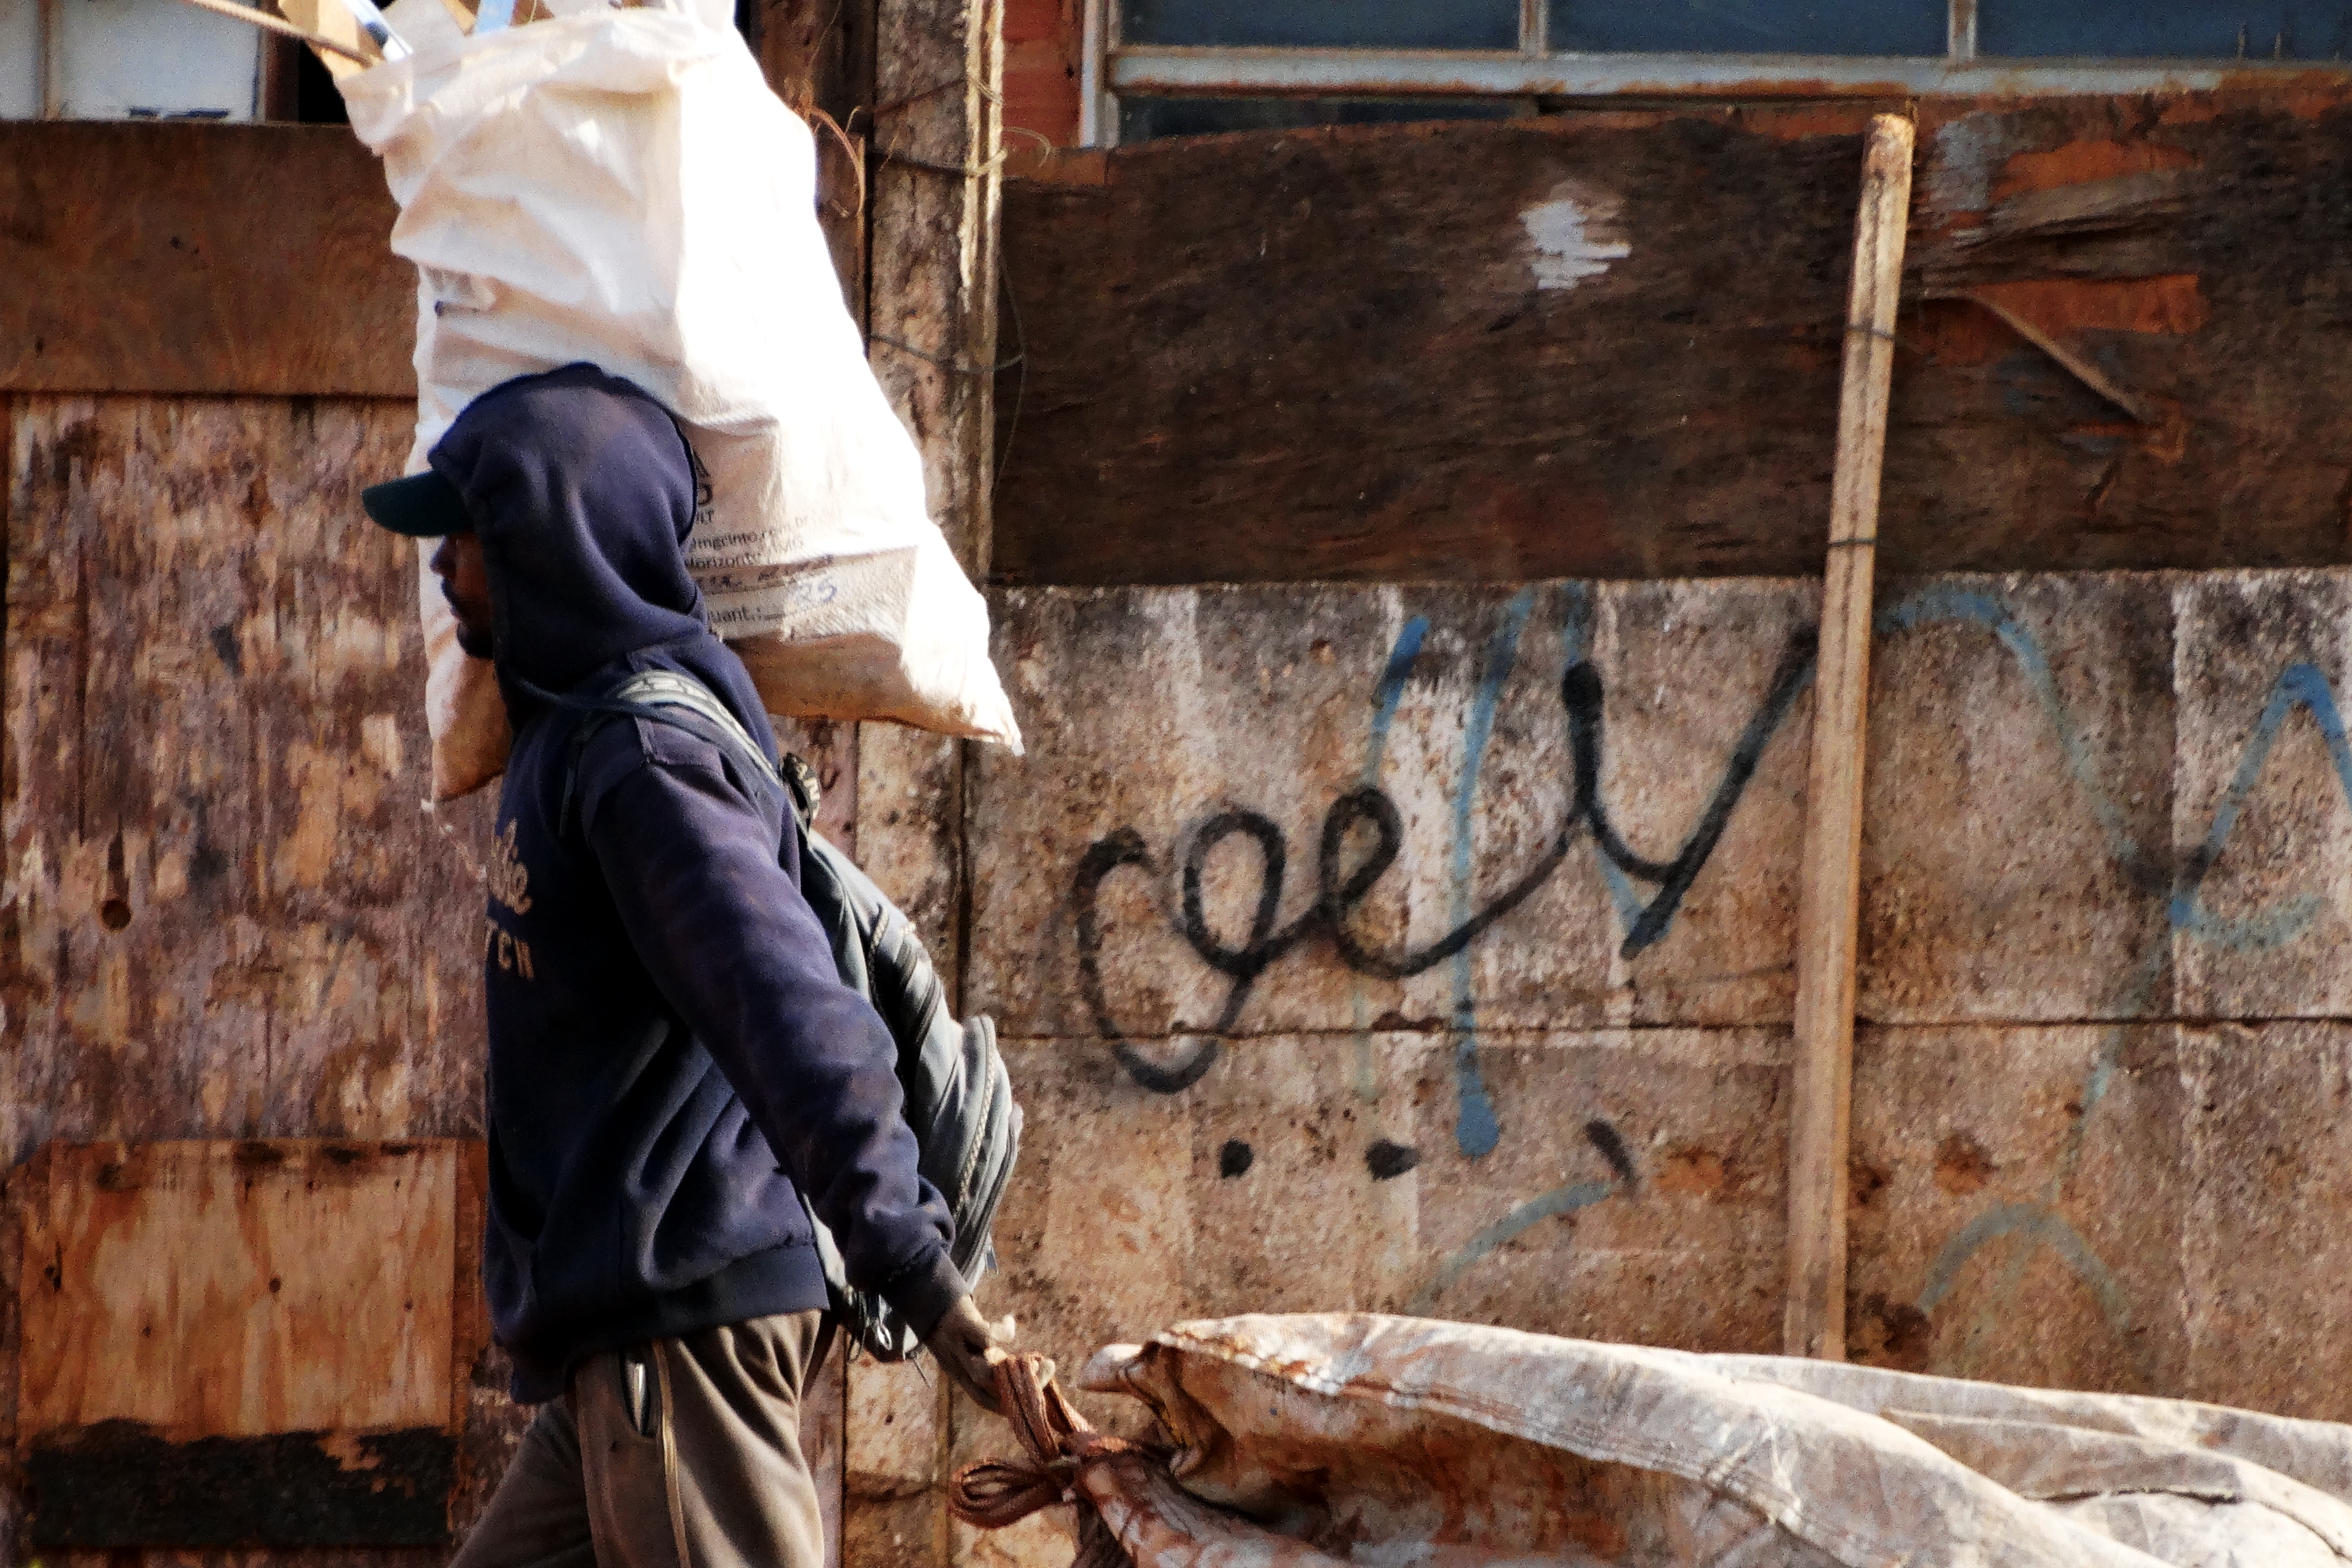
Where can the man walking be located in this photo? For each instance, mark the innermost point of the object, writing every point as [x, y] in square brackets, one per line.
[673, 1057]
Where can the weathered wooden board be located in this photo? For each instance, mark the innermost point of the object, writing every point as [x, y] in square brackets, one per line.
[199, 259]
[234, 1289]
[2085, 791]
[2263, 813]
[933, 257]
[229, 1343]
[936, 114]
[223, 912]
[1154, 870]
[1637, 1194]
[227, 914]
[2020, 805]
[1606, 345]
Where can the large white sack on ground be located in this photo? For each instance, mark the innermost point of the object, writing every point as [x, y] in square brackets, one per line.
[1311, 1441]
[621, 186]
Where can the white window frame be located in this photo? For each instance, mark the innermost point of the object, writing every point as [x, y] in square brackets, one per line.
[1114, 68]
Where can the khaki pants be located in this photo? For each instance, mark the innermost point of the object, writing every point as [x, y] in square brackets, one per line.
[682, 1453]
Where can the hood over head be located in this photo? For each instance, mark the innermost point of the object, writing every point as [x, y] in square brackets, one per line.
[583, 492]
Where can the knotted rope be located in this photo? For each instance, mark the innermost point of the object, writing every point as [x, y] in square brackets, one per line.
[995, 1493]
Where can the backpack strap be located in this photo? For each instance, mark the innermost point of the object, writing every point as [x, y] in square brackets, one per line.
[659, 695]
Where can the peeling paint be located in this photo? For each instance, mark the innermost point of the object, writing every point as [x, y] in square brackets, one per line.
[1576, 236]
[2172, 304]
[2080, 163]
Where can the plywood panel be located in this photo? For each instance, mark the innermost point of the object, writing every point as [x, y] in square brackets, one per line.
[227, 914]
[186, 258]
[2104, 808]
[2017, 1206]
[2152, 1208]
[223, 912]
[236, 1290]
[2261, 823]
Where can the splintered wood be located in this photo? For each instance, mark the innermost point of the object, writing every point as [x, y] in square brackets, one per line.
[239, 1290]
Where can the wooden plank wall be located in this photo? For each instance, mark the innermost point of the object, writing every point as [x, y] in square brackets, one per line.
[157, 273]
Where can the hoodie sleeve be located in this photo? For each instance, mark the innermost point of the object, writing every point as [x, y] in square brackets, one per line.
[690, 862]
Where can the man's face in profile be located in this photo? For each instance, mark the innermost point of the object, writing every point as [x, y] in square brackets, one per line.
[465, 584]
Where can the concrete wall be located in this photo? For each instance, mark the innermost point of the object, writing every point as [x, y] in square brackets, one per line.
[1532, 1073]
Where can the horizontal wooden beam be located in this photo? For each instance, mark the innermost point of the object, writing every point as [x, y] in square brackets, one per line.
[199, 259]
[1605, 345]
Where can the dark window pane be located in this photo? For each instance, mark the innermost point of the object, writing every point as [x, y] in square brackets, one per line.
[2178, 29]
[1148, 119]
[1750, 26]
[1368, 24]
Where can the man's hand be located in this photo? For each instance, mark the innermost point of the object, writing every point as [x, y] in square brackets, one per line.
[969, 1346]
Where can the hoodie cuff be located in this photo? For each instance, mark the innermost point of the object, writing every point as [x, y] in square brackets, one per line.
[923, 1293]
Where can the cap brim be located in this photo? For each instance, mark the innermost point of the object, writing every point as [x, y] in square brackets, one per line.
[422, 505]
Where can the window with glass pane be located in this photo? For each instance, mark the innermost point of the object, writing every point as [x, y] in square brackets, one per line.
[2159, 29]
[1751, 27]
[1308, 24]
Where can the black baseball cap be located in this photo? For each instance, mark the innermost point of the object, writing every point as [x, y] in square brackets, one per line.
[422, 505]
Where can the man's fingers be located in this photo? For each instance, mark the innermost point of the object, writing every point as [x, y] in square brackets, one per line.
[981, 1383]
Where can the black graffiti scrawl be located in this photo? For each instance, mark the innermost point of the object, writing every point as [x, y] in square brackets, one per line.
[1340, 886]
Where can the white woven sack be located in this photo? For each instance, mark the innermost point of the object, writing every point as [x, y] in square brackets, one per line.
[1336, 1440]
[620, 187]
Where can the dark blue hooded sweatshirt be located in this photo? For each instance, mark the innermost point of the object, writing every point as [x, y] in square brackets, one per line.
[673, 1057]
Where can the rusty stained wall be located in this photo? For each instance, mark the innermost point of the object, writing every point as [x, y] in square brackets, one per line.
[225, 911]
[1537, 1080]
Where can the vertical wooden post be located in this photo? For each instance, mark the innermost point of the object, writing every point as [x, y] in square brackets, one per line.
[1829, 880]
[938, 82]
[914, 86]
[818, 56]
[934, 158]
[49, 18]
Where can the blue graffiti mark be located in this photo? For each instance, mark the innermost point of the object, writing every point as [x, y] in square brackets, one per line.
[1391, 692]
[2301, 686]
[1535, 1210]
[1622, 895]
[2039, 1227]
[1951, 601]
[1475, 1130]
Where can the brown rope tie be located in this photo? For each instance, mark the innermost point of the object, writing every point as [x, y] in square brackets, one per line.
[995, 1493]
